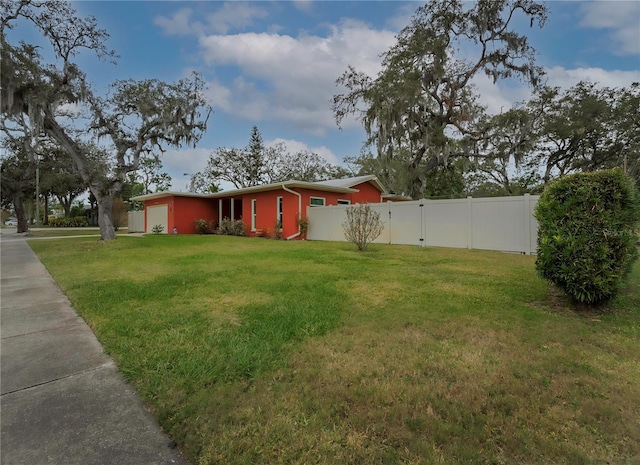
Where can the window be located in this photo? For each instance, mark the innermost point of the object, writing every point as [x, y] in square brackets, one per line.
[344, 202]
[279, 211]
[316, 201]
[253, 214]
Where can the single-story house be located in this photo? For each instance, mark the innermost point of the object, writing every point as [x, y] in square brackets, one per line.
[259, 207]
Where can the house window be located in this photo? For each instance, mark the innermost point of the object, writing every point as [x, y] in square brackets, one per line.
[344, 202]
[317, 201]
[253, 214]
[279, 211]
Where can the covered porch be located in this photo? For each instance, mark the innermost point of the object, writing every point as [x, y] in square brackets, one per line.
[228, 207]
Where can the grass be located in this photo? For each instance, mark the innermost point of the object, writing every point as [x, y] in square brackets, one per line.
[257, 351]
[59, 232]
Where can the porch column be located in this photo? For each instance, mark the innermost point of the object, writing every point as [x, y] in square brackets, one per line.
[219, 211]
[233, 216]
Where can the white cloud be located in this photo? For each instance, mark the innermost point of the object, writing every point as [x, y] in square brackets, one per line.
[295, 146]
[233, 15]
[178, 24]
[403, 17]
[293, 78]
[181, 164]
[622, 17]
[565, 78]
[501, 96]
[504, 94]
[218, 96]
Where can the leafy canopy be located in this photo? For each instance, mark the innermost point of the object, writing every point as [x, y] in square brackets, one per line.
[423, 99]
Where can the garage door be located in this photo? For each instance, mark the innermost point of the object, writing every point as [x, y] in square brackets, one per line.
[158, 215]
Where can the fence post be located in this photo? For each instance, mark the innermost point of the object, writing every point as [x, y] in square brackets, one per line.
[527, 224]
[423, 241]
[389, 206]
[469, 222]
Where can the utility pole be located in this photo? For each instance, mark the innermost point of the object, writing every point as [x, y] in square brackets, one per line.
[37, 190]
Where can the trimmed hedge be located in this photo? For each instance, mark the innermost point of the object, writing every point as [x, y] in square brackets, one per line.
[73, 222]
[587, 233]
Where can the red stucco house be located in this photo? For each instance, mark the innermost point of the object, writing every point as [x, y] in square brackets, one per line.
[258, 207]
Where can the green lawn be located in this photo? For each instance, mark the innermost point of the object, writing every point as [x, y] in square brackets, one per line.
[261, 351]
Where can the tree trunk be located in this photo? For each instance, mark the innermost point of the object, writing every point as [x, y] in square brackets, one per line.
[418, 184]
[417, 188]
[66, 205]
[18, 206]
[105, 205]
[104, 197]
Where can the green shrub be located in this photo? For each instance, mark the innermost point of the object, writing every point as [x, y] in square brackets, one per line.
[303, 226]
[73, 222]
[202, 226]
[586, 235]
[157, 229]
[232, 227]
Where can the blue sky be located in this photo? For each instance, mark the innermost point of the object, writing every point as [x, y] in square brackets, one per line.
[274, 63]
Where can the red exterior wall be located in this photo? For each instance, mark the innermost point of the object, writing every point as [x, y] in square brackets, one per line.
[266, 206]
[188, 209]
[368, 194]
[267, 212]
[182, 211]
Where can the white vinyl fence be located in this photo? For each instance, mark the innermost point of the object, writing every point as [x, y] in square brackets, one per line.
[497, 223]
[136, 221]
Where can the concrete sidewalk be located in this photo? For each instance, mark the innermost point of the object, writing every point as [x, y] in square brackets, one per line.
[62, 398]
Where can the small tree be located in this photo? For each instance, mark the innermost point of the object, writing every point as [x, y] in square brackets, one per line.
[586, 235]
[363, 226]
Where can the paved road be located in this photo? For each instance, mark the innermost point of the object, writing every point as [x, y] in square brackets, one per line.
[62, 398]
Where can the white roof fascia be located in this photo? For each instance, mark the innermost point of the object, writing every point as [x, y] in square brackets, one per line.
[159, 195]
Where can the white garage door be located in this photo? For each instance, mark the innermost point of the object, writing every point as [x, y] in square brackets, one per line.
[158, 215]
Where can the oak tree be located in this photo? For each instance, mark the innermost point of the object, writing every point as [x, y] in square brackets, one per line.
[423, 99]
[134, 119]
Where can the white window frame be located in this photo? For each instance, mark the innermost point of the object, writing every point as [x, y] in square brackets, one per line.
[344, 202]
[279, 208]
[254, 214]
[311, 199]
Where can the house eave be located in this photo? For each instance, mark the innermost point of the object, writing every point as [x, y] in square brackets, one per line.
[279, 185]
[253, 189]
[159, 195]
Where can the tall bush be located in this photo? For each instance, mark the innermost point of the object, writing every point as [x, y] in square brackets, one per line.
[587, 233]
[201, 226]
[231, 227]
[363, 226]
